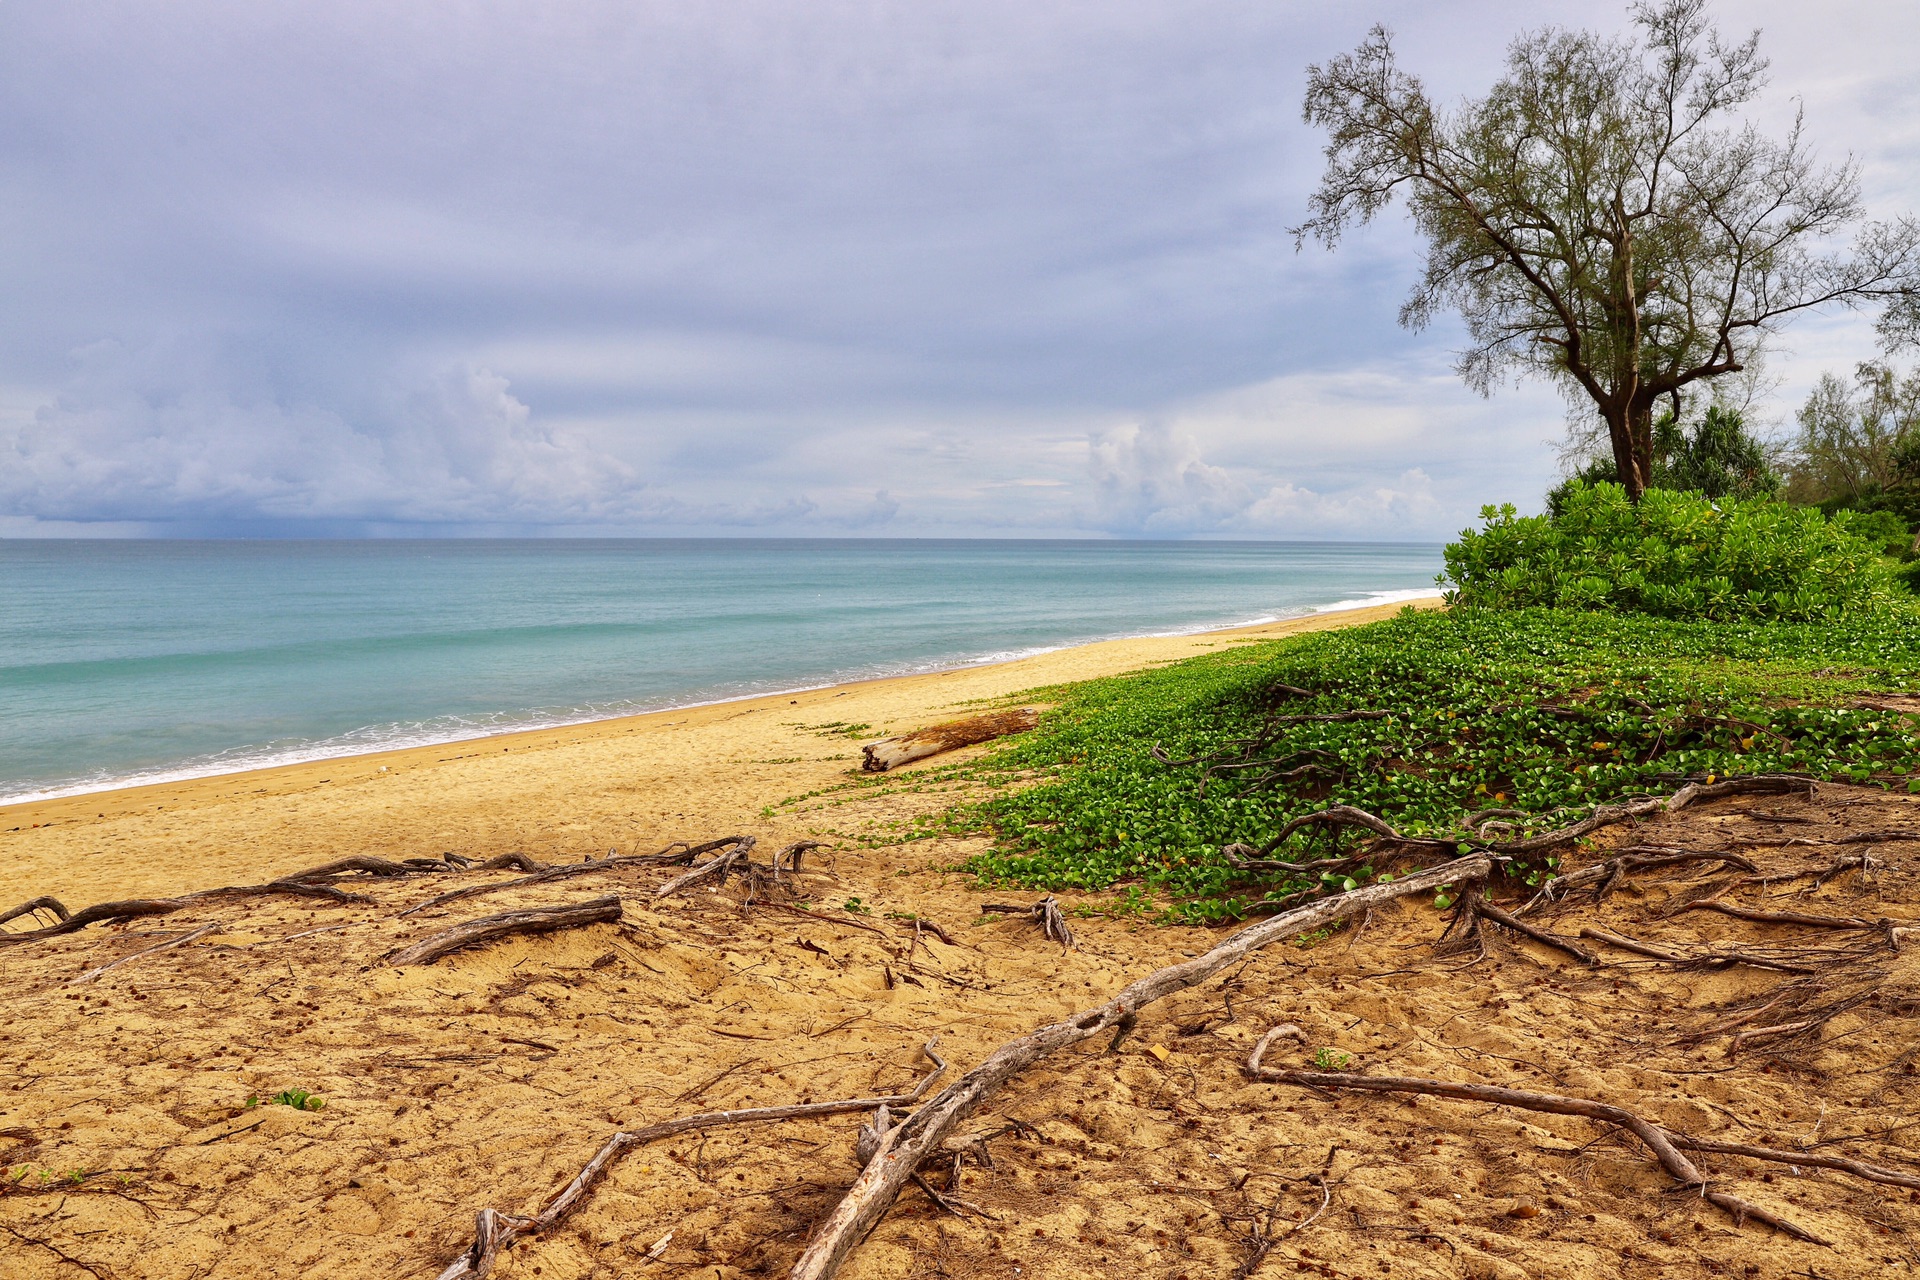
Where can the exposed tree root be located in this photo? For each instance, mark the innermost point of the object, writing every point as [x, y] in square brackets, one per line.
[52, 906]
[1481, 908]
[1865, 863]
[902, 1149]
[182, 941]
[1708, 960]
[136, 908]
[539, 874]
[1046, 913]
[1602, 877]
[1758, 916]
[488, 928]
[1858, 1168]
[494, 1230]
[1657, 1139]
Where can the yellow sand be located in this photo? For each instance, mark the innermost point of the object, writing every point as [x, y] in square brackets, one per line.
[489, 1078]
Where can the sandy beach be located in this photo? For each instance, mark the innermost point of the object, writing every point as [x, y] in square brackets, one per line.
[129, 1053]
[556, 793]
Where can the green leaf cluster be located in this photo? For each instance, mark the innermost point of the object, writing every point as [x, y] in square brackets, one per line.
[1550, 712]
[1672, 555]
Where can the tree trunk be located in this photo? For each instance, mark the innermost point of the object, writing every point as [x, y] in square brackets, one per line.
[1630, 458]
[1640, 431]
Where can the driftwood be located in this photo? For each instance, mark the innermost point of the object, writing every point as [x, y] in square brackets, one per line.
[181, 941]
[902, 1149]
[891, 753]
[1662, 1143]
[487, 928]
[494, 1231]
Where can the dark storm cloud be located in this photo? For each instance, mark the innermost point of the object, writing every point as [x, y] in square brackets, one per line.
[804, 268]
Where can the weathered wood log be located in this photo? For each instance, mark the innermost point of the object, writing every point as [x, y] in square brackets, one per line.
[891, 753]
[488, 928]
[905, 1147]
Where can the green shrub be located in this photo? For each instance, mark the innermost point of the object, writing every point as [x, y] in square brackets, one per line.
[1674, 555]
[1716, 456]
[1549, 712]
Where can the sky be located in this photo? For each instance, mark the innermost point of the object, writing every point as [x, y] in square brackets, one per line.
[908, 269]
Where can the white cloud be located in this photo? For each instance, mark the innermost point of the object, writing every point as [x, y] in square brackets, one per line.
[952, 266]
[1150, 479]
[172, 432]
[1367, 512]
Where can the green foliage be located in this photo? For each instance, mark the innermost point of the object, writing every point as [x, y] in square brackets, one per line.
[1673, 555]
[1884, 529]
[298, 1099]
[1549, 712]
[1855, 443]
[1329, 1059]
[1716, 457]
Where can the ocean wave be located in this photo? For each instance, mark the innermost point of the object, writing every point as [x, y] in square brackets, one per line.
[454, 730]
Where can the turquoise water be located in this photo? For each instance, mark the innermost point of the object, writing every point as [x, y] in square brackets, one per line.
[126, 662]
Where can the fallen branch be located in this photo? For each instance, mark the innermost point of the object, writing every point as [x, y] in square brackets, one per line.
[494, 1231]
[181, 941]
[1657, 1139]
[906, 1146]
[487, 928]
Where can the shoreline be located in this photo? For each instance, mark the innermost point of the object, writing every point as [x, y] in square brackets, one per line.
[296, 758]
[636, 783]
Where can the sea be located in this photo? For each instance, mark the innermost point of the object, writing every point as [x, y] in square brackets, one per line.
[130, 662]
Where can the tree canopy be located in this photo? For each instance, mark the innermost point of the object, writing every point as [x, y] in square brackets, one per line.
[1603, 217]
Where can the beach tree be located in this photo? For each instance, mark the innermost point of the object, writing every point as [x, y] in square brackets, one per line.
[1604, 215]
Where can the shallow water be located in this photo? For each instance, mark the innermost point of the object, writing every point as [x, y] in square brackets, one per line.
[125, 662]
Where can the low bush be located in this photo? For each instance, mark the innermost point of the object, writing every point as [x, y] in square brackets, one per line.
[1673, 555]
[1545, 711]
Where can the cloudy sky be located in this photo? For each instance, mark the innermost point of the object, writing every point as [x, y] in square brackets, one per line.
[828, 268]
